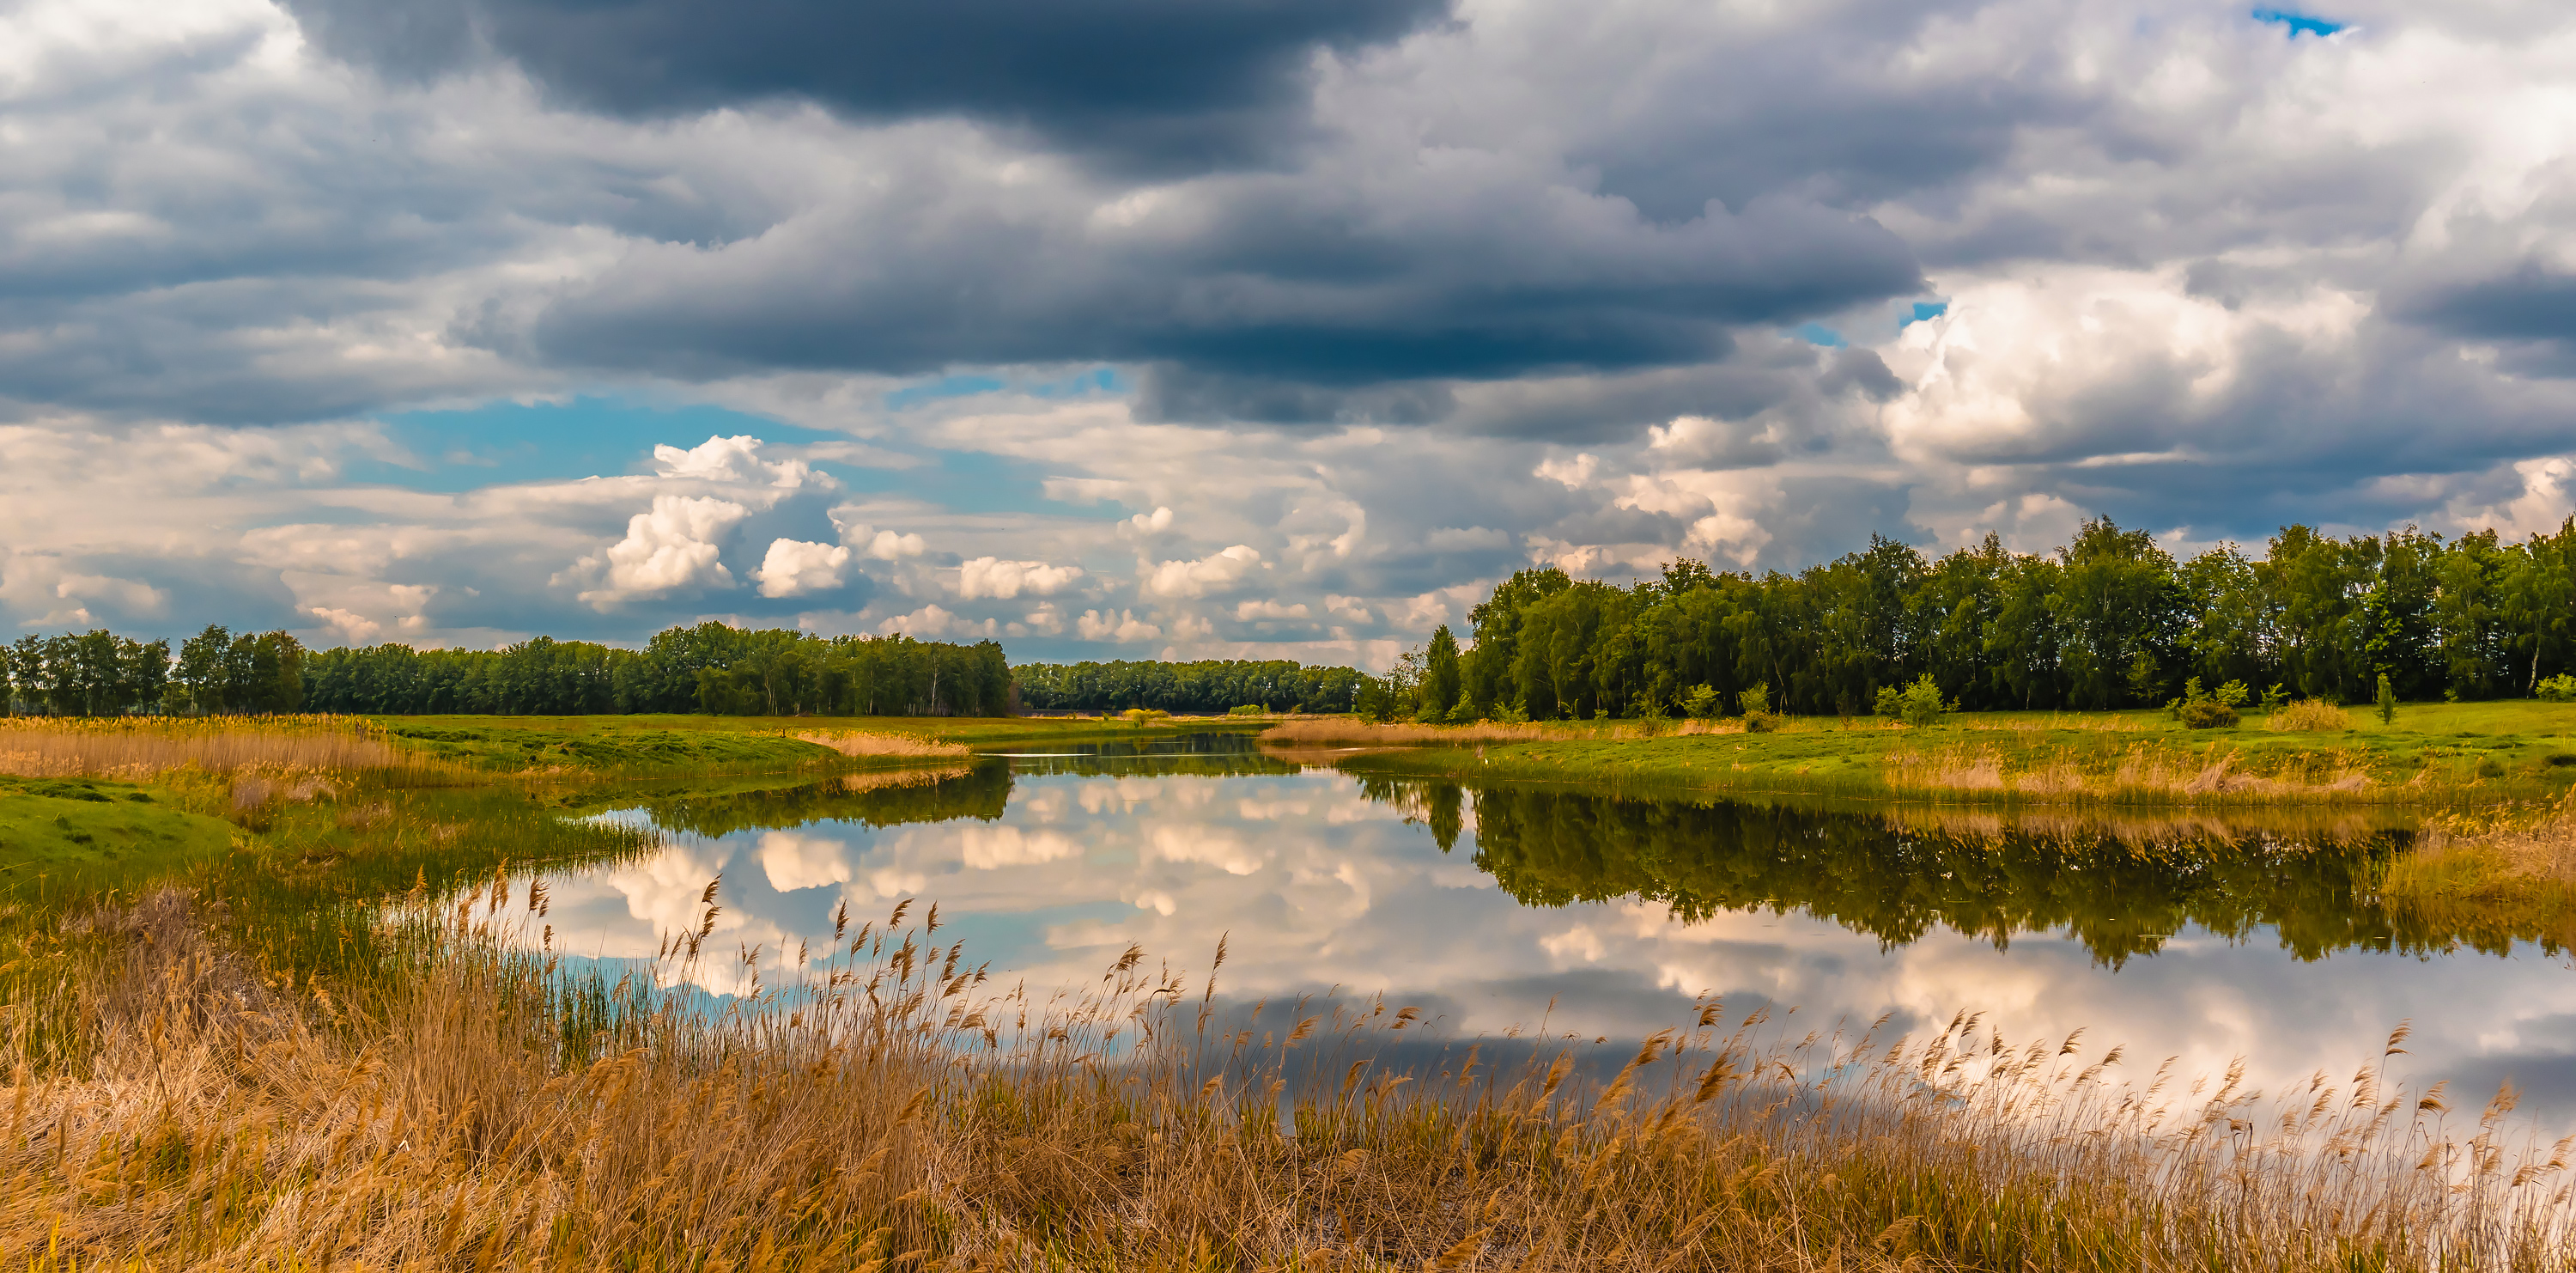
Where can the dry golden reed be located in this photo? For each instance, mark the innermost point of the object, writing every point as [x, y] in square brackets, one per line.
[2310, 715]
[2491, 856]
[862, 744]
[2147, 771]
[1349, 732]
[58, 747]
[886, 1109]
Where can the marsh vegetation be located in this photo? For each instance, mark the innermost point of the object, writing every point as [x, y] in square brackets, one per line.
[343, 1030]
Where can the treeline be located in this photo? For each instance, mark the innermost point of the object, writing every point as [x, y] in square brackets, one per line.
[2110, 620]
[707, 668]
[1207, 686]
[102, 674]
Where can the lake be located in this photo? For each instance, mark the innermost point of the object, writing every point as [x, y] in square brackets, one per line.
[1605, 915]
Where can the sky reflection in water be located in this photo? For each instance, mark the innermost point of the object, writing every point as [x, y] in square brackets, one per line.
[1616, 912]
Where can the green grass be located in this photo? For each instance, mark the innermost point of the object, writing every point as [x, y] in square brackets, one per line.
[675, 743]
[76, 836]
[2435, 754]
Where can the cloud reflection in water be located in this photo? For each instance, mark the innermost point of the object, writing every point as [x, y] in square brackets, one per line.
[1324, 881]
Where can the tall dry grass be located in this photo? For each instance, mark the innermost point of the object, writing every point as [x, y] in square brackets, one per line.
[2147, 771]
[136, 750]
[1349, 732]
[2491, 857]
[2310, 715]
[860, 744]
[897, 1112]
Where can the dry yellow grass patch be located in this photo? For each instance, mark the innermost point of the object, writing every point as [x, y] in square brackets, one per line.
[2491, 857]
[134, 750]
[2310, 715]
[887, 1112]
[861, 744]
[1346, 732]
[2144, 770]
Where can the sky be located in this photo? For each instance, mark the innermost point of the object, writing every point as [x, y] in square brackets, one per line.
[1236, 328]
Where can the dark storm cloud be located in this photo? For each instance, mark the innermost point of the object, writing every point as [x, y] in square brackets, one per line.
[1295, 280]
[1826, 109]
[1165, 82]
[2530, 308]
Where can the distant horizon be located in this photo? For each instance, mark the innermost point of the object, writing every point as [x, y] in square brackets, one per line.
[1128, 330]
[1093, 653]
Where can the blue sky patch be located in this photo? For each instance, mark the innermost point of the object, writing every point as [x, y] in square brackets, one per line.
[1819, 334]
[2299, 24]
[1923, 310]
[509, 442]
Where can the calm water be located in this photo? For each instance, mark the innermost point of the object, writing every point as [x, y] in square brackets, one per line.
[1487, 906]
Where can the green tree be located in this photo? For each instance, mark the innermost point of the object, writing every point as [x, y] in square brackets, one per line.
[2118, 609]
[1440, 675]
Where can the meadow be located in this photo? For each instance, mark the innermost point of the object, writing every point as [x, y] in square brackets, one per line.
[2431, 756]
[260, 1018]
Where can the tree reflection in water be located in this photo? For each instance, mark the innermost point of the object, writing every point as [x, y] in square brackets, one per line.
[2121, 887]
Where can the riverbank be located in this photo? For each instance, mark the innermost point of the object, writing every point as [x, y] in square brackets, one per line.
[309, 1047]
[2433, 755]
[461, 1106]
[699, 744]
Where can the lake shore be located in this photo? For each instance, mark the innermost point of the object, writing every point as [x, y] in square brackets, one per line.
[287, 1020]
[2432, 756]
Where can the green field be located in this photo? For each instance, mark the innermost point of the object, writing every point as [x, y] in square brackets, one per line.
[2433, 754]
[77, 836]
[700, 744]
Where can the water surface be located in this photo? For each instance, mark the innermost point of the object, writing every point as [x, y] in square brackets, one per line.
[1605, 916]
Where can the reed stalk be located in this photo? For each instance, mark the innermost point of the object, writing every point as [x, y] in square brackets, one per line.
[888, 1107]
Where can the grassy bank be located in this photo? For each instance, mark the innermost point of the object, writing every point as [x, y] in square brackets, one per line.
[82, 836]
[474, 1112]
[672, 744]
[2491, 870]
[2432, 755]
[308, 1054]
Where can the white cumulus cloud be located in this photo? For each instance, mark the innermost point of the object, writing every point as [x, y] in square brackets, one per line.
[665, 550]
[1002, 580]
[1213, 573]
[1114, 625]
[796, 568]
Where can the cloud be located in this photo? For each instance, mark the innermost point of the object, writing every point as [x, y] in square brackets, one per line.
[665, 550]
[1114, 625]
[1259, 611]
[883, 545]
[1213, 573]
[795, 568]
[1153, 82]
[1003, 580]
[933, 623]
[735, 459]
[1469, 539]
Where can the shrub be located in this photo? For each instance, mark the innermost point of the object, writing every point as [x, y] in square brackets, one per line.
[2311, 715]
[2198, 709]
[2208, 713]
[1702, 701]
[1920, 704]
[1248, 709]
[1754, 699]
[2386, 701]
[1465, 713]
[1144, 715]
[2557, 689]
